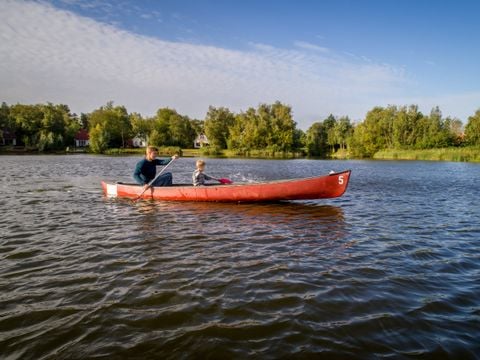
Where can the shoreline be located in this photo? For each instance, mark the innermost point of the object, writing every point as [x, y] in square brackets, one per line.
[461, 154]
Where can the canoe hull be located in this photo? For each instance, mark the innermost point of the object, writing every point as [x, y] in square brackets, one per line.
[320, 187]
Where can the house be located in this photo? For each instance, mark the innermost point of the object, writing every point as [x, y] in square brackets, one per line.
[82, 138]
[139, 142]
[8, 137]
[200, 141]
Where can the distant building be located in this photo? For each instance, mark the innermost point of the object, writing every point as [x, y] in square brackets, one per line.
[200, 141]
[8, 138]
[82, 138]
[139, 142]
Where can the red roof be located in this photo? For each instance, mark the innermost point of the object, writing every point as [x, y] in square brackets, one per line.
[82, 134]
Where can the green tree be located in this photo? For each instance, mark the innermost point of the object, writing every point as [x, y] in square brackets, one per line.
[28, 123]
[169, 128]
[115, 121]
[235, 140]
[198, 126]
[405, 128]
[373, 134]
[343, 130]
[6, 122]
[455, 129]
[57, 126]
[269, 128]
[360, 147]
[99, 138]
[472, 129]
[329, 128]
[84, 121]
[282, 127]
[316, 140]
[160, 136]
[299, 140]
[182, 133]
[141, 127]
[218, 122]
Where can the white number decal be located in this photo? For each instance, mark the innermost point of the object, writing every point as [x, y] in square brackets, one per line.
[340, 179]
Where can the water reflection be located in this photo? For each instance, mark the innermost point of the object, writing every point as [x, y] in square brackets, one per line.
[285, 210]
[303, 231]
[224, 216]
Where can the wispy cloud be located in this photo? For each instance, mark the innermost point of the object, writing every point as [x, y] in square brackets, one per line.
[52, 55]
[309, 46]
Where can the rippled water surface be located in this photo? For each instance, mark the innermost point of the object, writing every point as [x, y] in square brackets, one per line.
[389, 270]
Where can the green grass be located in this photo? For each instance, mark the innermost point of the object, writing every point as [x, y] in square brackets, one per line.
[466, 154]
[469, 154]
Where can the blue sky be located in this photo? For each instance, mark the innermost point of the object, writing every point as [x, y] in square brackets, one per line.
[320, 57]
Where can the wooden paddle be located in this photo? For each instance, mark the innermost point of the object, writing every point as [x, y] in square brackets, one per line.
[155, 178]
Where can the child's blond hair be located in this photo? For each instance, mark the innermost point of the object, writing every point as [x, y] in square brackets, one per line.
[200, 164]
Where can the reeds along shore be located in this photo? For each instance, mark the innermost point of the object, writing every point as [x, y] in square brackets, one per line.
[468, 154]
[457, 154]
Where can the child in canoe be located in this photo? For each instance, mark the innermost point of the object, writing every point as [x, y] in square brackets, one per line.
[199, 177]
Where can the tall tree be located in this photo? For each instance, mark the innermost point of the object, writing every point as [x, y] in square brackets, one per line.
[343, 131]
[455, 129]
[406, 130]
[217, 124]
[316, 140]
[5, 120]
[99, 138]
[160, 135]
[282, 126]
[28, 123]
[115, 121]
[329, 128]
[140, 127]
[472, 129]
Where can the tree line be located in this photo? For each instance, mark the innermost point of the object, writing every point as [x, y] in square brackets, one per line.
[269, 128]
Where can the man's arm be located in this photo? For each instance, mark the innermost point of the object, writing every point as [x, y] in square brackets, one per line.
[162, 161]
[137, 174]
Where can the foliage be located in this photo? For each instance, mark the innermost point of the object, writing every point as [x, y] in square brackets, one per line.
[99, 139]
[316, 140]
[343, 131]
[140, 127]
[403, 128]
[269, 128]
[266, 131]
[5, 119]
[472, 129]
[171, 129]
[41, 126]
[218, 122]
[325, 137]
[111, 124]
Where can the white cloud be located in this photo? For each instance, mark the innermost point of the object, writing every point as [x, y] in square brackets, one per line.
[51, 55]
[310, 46]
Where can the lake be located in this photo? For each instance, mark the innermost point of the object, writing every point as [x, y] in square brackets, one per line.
[389, 270]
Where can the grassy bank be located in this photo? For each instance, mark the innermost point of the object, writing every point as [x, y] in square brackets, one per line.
[467, 154]
[470, 154]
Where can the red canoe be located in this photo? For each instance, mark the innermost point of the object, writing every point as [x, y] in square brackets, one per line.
[319, 187]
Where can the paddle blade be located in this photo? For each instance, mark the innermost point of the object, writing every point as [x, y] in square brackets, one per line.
[225, 181]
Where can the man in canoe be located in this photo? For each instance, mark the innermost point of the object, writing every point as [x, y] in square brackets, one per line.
[146, 169]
